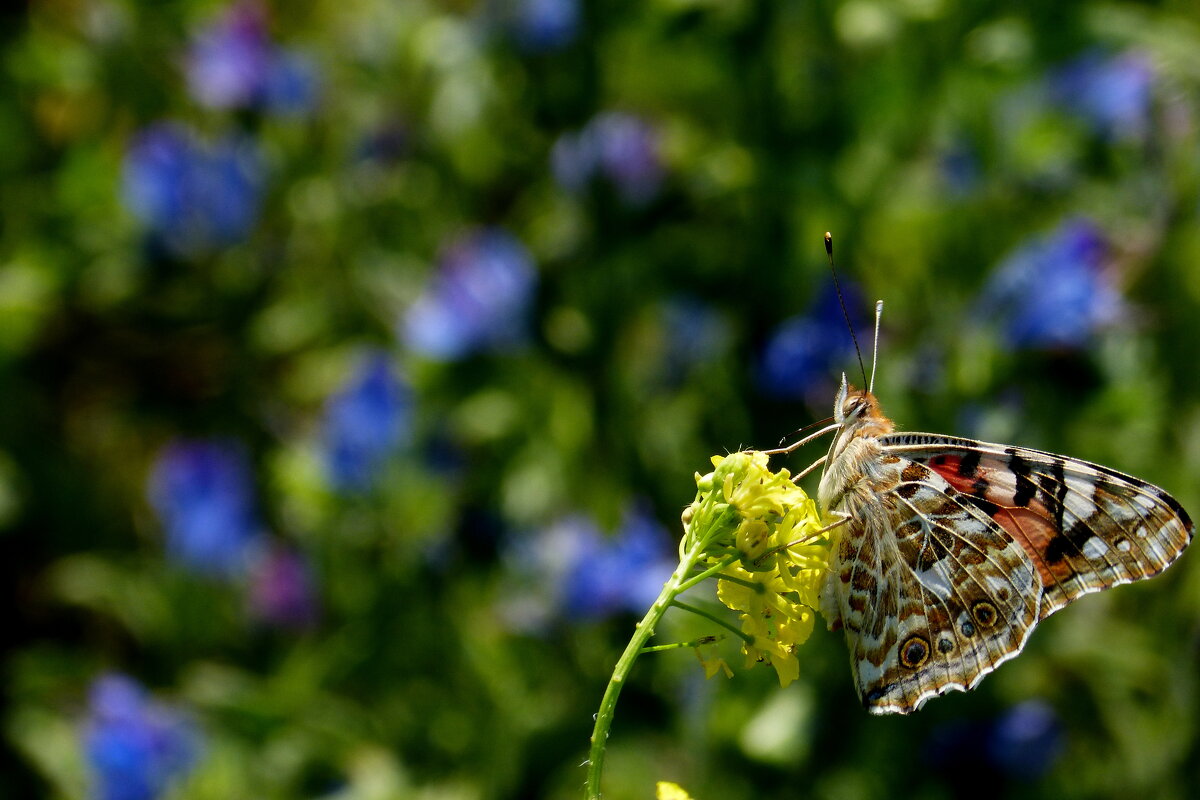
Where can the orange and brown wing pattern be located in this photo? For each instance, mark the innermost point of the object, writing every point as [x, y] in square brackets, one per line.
[1084, 527]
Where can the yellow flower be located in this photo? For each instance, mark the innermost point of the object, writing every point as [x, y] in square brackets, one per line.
[713, 664]
[782, 555]
[754, 490]
[760, 535]
[752, 539]
[671, 791]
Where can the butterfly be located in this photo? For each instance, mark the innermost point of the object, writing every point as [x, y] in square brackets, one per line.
[952, 550]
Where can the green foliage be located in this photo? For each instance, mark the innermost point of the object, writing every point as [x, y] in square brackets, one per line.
[402, 617]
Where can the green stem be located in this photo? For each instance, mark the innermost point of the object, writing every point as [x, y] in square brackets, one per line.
[703, 640]
[720, 566]
[757, 588]
[745, 637]
[644, 630]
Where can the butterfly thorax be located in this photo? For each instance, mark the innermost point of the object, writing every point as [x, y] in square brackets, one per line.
[856, 470]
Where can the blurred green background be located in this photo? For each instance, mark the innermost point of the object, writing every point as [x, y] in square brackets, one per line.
[356, 358]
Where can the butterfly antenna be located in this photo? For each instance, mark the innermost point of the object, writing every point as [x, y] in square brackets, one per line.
[875, 350]
[842, 301]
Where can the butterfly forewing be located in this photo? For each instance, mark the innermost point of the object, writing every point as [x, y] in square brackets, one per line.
[1084, 526]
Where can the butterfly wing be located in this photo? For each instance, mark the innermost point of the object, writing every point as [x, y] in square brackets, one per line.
[971, 545]
[932, 593]
[1085, 527]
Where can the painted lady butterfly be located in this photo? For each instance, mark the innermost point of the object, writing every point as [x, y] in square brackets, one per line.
[953, 550]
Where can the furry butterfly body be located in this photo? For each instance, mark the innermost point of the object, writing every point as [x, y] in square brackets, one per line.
[953, 549]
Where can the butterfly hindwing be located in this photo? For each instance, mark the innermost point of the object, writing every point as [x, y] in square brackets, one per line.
[936, 594]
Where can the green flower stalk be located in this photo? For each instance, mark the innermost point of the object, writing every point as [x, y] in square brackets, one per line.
[761, 537]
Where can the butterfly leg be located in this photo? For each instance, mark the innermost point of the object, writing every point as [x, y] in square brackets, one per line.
[805, 472]
[779, 451]
[844, 518]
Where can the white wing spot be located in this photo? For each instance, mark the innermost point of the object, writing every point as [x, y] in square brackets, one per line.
[995, 583]
[1094, 547]
[868, 673]
[1142, 531]
[934, 579]
[1124, 546]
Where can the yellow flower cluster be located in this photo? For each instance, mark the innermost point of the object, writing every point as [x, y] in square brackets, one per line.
[782, 556]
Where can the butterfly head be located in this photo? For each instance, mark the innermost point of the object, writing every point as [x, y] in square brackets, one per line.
[858, 413]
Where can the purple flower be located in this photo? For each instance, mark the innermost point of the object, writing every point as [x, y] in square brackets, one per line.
[228, 60]
[478, 300]
[281, 588]
[620, 148]
[1052, 293]
[1112, 93]
[232, 63]
[135, 746]
[193, 196]
[807, 352]
[203, 493]
[365, 422]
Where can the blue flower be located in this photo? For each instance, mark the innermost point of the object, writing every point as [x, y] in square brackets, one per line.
[624, 572]
[282, 591]
[203, 493]
[232, 63]
[365, 422]
[573, 161]
[1027, 740]
[1113, 94]
[1021, 744]
[478, 300]
[134, 746]
[1053, 293]
[958, 165]
[540, 26]
[291, 85]
[694, 334]
[571, 569]
[193, 196]
[620, 148]
[807, 352]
